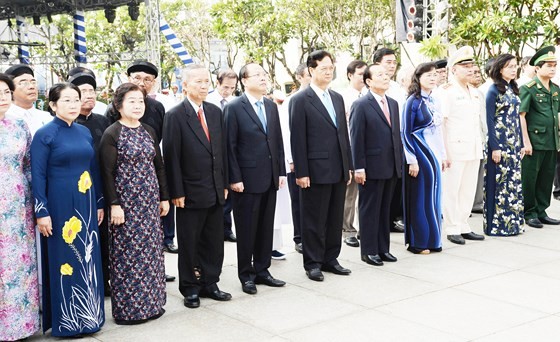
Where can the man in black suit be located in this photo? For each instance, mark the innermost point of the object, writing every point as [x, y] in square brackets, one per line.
[256, 171]
[323, 164]
[377, 152]
[196, 165]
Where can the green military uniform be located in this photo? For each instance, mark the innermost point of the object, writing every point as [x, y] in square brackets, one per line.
[537, 173]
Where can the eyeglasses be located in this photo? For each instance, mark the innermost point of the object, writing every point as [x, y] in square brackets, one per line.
[146, 80]
[24, 84]
[511, 67]
[87, 91]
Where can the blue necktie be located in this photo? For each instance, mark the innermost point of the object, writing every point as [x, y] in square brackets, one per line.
[330, 108]
[260, 114]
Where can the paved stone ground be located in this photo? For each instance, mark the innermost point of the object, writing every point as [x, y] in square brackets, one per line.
[501, 289]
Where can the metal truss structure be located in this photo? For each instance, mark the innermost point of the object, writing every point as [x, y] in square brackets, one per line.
[435, 18]
[38, 8]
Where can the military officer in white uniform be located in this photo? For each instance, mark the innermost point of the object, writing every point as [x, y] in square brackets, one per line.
[463, 112]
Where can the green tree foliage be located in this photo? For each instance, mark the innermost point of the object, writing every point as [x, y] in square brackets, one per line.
[498, 26]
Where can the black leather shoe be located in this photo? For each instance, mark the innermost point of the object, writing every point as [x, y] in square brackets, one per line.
[192, 301]
[315, 274]
[249, 287]
[548, 220]
[269, 281]
[387, 257]
[458, 239]
[352, 241]
[535, 223]
[398, 227]
[171, 248]
[476, 210]
[230, 237]
[215, 293]
[472, 236]
[299, 248]
[374, 260]
[169, 278]
[336, 269]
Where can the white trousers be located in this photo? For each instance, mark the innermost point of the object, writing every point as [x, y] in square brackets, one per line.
[458, 190]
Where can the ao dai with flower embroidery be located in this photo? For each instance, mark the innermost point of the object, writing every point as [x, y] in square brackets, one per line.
[66, 182]
[19, 289]
[503, 197]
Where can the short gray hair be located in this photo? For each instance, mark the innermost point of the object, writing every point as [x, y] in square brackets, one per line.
[185, 73]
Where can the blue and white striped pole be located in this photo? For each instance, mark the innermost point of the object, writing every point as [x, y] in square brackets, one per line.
[23, 48]
[80, 48]
[174, 42]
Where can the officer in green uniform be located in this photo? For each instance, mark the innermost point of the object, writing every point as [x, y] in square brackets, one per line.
[540, 102]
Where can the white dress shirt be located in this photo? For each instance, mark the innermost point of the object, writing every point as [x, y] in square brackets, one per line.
[33, 117]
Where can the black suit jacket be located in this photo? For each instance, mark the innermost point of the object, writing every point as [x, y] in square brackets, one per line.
[255, 158]
[320, 150]
[376, 145]
[196, 168]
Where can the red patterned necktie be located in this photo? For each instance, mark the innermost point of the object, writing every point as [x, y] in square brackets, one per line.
[203, 123]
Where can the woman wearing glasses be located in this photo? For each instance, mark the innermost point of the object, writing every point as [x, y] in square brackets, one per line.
[503, 200]
[68, 207]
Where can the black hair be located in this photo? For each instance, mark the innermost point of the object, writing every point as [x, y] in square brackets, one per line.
[495, 73]
[228, 73]
[488, 65]
[380, 53]
[8, 80]
[56, 90]
[316, 56]
[118, 97]
[351, 68]
[415, 88]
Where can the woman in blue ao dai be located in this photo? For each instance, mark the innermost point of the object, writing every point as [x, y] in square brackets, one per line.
[68, 207]
[425, 159]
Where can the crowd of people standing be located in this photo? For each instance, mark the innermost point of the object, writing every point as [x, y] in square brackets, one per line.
[91, 198]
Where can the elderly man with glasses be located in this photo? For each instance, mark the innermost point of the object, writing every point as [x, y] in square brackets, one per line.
[24, 97]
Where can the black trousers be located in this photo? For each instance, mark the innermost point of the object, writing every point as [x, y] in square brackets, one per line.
[397, 202]
[374, 205]
[228, 207]
[254, 225]
[322, 212]
[104, 244]
[294, 197]
[169, 226]
[201, 244]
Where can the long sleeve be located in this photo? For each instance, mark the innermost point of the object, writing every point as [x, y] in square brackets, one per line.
[412, 107]
[280, 142]
[160, 168]
[491, 98]
[298, 136]
[27, 156]
[172, 142]
[97, 182]
[358, 136]
[40, 153]
[231, 133]
[108, 157]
